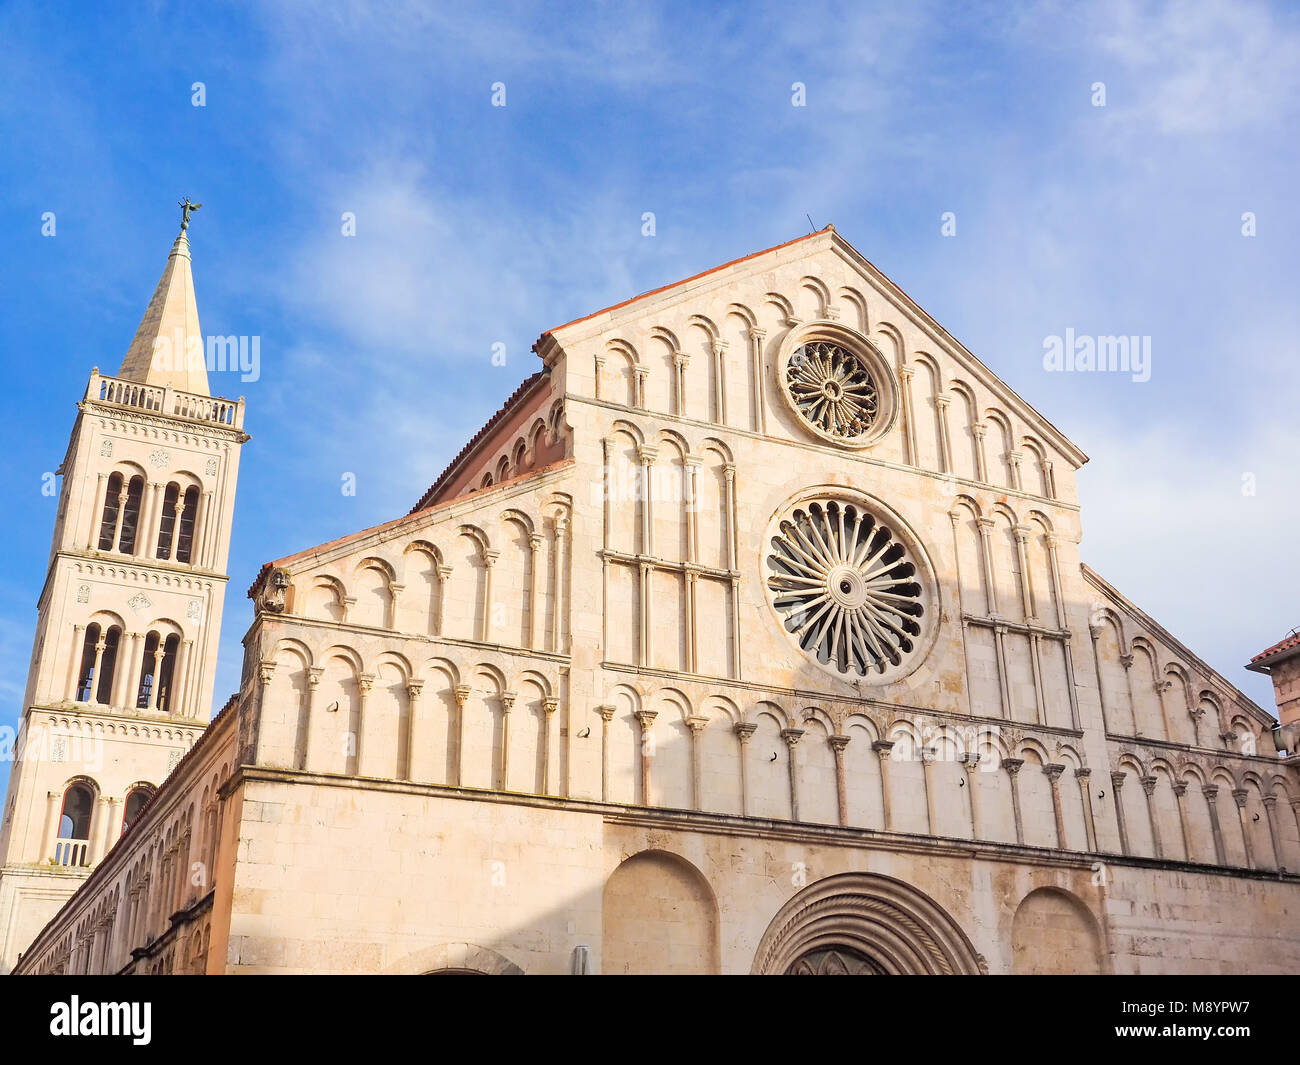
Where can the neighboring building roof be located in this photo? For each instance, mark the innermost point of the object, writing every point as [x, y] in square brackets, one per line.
[1287, 647]
[168, 349]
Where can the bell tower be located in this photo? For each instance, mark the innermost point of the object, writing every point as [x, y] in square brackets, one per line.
[128, 621]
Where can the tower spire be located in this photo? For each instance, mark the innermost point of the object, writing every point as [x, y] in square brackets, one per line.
[168, 348]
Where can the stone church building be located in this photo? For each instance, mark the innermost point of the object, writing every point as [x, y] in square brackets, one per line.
[751, 635]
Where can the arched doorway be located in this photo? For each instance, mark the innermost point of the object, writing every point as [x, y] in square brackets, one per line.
[864, 924]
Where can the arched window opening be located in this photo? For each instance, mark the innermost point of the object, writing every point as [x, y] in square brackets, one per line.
[112, 504]
[135, 801]
[86, 674]
[95, 677]
[185, 535]
[131, 516]
[166, 672]
[148, 668]
[74, 819]
[167, 521]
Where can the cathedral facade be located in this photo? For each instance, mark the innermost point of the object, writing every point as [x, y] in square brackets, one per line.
[750, 635]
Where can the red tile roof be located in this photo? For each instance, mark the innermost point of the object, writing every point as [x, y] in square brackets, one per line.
[1289, 643]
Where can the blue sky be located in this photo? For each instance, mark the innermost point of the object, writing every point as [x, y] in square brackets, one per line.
[479, 225]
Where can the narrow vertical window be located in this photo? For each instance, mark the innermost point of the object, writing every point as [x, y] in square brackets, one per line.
[108, 523]
[131, 516]
[86, 675]
[148, 668]
[167, 521]
[185, 536]
[107, 667]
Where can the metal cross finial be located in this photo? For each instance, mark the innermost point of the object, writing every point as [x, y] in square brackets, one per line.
[186, 207]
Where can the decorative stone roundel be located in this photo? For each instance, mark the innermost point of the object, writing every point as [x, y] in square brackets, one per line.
[846, 588]
[837, 384]
[832, 389]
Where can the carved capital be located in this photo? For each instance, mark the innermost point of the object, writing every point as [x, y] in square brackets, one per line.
[1148, 784]
[415, 689]
[745, 729]
[647, 718]
[508, 700]
[550, 706]
[1117, 780]
[366, 681]
[1240, 795]
[1211, 793]
[838, 743]
[314, 674]
[882, 748]
[791, 736]
[1083, 772]
[462, 692]
[1012, 765]
[265, 671]
[696, 724]
[1053, 771]
[606, 712]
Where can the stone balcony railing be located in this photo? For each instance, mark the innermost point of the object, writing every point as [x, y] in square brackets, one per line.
[71, 852]
[169, 401]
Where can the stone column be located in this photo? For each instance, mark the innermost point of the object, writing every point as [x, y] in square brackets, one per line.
[97, 515]
[1014, 458]
[1240, 795]
[680, 361]
[1094, 632]
[134, 663]
[905, 375]
[92, 696]
[979, 430]
[1012, 766]
[692, 643]
[1148, 788]
[53, 803]
[444, 575]
[1116, 784]
[1054, 772]
[395, 591]
[942, 403]
[489, 561]
[160, 655]
[507, 704]
[641, 374]
[1004, 685]
[1211, 793]
[200, 529]
[1083, 774]
[1180, 793]
[690, 488]
[74, 665]
[744, 730]
[1021, 534]
[646, 718]
[414, 689]
[549, 707]
[971, 763]
[791, 737]
[535, 542]
[180, 673]
[927, 760]
[606, 713]
[720, 379]
[462, 697]
[883, 748]
[314, 674]
[600, 373]
[647, 456]
[1036, 666]
[561, 608]
[733, 554]
[838, 743]
[146, 533]
[756, 337]
[697, 725]
[122, 496]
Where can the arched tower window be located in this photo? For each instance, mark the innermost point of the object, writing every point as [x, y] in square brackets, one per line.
[74, 820]
[135, 801]
[185, 535]
[148, 668]
[131, 516]
[108, 523]
[95, 679]
[167, 522]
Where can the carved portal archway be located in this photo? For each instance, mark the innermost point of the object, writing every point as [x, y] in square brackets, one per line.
[865, 924]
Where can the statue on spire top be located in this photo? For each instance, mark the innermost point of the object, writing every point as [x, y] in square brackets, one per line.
[186, 207]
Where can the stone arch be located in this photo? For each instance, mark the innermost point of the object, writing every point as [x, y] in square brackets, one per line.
[884, 925]
[658, 916]
[1054, 934]
[456, 958]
